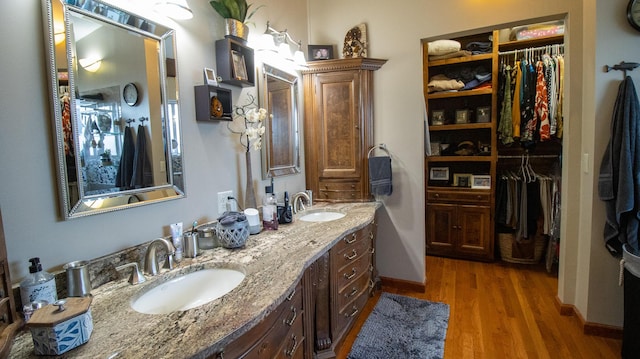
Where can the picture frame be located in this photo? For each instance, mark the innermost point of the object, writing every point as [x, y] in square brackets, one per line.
[481, 181]
[483, 114]
[210, 77]
[239, 66]
[462, 116]
[437, 117]
[462, 179]
[319, 52]
[435, 148]
[439, 173]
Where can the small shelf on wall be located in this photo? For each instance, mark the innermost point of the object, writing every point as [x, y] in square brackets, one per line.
[203, 96]
[234, 62]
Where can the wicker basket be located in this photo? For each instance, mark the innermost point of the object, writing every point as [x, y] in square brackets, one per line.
[506, 249]
[234, 235]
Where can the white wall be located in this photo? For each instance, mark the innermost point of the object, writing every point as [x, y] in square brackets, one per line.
[213, 159]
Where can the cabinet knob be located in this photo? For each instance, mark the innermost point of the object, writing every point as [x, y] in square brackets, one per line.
[479, 196]
[437, 195]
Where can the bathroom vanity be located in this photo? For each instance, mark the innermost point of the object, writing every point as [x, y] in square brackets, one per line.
[305, 285]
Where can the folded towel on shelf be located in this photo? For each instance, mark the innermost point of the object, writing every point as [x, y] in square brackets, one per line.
[380, 175]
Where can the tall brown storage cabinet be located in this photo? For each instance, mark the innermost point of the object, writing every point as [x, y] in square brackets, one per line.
[338, 127]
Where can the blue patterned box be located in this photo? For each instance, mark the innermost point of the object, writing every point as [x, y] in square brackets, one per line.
[56, 331]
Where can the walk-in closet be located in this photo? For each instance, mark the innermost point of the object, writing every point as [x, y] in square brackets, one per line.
[493, 164]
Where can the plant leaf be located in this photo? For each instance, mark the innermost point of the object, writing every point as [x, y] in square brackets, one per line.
[220, 8]
[254, 11]
[242, 8]
[234, 11]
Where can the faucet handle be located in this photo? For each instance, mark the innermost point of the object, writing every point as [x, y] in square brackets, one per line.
[169, 262]
[136, 276]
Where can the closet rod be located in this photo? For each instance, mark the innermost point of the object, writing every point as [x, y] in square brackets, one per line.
[530, 156]
[531, 49]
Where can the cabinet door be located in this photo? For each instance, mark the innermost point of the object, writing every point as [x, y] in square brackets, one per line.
[473, 230]
[441, 228]
[338, 124]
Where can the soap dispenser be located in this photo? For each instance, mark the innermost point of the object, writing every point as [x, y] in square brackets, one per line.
[269, 209]
[38, 285]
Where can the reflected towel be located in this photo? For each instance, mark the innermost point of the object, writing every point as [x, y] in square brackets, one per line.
[142, 175]
[380, 175]
[125, 169]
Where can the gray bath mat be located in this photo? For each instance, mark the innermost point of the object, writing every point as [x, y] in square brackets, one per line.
[402, 327]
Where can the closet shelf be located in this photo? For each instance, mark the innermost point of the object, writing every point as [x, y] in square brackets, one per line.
[460, 158]
[436, 95]
[460, 60]
[455, 127]
[542, 41]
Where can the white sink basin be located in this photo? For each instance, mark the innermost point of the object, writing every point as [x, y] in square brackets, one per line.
[321, 216]
[188, 291]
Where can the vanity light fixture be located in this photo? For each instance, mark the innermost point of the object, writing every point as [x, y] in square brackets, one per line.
[175, 9]
[91, 64]
[280, 42]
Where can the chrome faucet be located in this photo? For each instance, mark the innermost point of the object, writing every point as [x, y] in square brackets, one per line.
[299, 198]
[150, 260]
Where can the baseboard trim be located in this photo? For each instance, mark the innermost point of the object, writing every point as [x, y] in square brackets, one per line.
[403, 284]
[565, 309]
[588, 328]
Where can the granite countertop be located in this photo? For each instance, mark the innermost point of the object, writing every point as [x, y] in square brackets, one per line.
[273, 261]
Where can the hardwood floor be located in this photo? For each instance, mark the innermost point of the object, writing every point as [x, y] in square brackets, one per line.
[500, 310]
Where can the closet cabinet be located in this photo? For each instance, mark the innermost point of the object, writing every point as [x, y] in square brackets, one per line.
[460, 171]
[338, 127]
[463, 228]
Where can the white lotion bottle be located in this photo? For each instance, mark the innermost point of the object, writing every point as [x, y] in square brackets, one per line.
[39, 285]
[176, 238]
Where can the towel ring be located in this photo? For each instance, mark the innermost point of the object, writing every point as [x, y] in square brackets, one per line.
[381, 146]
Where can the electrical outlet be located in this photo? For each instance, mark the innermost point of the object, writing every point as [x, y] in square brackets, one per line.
[223, 198]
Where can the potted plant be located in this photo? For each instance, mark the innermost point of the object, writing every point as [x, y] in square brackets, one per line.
[235, 14]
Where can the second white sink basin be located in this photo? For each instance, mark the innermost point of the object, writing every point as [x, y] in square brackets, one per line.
[188, 291]
[321, 216]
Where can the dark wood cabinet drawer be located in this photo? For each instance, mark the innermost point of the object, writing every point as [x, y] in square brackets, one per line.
[360, 284]
[351, 240]
[340, 186]
[265, 339]
[348, 274]
[480, 197]
[339, 195]
[292, 344]
[351, 254]
[351, 311]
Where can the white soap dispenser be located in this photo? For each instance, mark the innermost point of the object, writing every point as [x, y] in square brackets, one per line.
[38, 285]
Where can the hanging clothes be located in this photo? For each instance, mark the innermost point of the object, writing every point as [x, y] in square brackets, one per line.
[541, 106]
[619, 182]
[505, 127]
[142, 175]
[537, 85]
[125, 169]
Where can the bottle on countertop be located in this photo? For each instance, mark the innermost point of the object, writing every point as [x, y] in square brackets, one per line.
[269, 209]
[38, 285]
